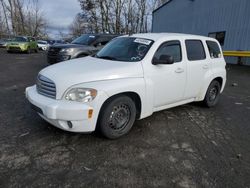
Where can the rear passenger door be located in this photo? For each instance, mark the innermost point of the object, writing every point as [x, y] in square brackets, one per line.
[197, 67]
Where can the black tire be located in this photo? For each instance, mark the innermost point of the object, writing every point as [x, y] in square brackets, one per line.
[28, 50]
[117, 117]
[212, 94]
[36, 50]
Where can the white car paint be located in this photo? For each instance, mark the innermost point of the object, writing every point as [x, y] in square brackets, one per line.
[158, 86]
[44, 45]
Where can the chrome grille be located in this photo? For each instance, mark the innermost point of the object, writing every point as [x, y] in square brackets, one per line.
[46, 87]
[53, 51]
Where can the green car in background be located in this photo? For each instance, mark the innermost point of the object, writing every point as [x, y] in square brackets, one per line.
[22, 44]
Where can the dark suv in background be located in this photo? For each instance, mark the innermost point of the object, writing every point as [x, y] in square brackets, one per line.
[84, 45]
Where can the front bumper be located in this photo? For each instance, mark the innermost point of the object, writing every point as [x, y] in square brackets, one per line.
[66, 115]
[57, 58]
[16, 48]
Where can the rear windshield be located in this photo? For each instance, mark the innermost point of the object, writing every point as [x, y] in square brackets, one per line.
[85, 39]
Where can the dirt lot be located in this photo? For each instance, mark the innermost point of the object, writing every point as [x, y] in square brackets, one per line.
[187, 146]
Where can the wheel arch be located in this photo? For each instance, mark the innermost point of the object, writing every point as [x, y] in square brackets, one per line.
[204, 91]
[133, 95]
[219, 79]
[81, 54]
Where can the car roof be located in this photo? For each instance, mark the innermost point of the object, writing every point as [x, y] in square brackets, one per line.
[157, 36]
[103, 34]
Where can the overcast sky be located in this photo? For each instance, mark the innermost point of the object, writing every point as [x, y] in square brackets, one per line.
[59, 13]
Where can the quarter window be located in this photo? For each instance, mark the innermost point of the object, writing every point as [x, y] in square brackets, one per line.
[171, 48]
[214, 49]
[195, 50]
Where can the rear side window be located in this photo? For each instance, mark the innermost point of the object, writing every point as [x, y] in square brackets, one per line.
[195, 50]
[214, 49]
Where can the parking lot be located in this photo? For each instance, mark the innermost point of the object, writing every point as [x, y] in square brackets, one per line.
[186, 146]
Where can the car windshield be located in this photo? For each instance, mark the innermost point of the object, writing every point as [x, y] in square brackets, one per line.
[3, 40]
[41, 42]
[129, 49]
[20, 39]
[84, 39]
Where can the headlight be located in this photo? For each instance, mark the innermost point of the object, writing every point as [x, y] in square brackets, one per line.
[81, 94]
[69, 50]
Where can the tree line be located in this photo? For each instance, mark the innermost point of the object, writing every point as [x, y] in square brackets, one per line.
[20, 17]
[25, 17]
[114, 16]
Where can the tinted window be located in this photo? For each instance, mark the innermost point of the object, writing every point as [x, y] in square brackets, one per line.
[214, 49]
[101, 41]
[195, 50]
[172, 48]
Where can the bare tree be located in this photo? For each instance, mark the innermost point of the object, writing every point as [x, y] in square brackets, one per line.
[119, 16]
[24, 18]
[79, 26]
[5, 23]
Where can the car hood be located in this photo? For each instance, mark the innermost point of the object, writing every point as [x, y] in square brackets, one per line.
[69, 46]
[89, 69]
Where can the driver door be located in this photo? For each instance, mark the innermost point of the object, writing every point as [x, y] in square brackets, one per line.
[169, 80]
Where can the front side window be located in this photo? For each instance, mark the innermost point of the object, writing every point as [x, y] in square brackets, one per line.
[214, 49]
[101, 41]
[195, 50]
[171, 48]
[129, 49]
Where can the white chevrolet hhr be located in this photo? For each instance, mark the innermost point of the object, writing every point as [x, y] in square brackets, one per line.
[130, 78]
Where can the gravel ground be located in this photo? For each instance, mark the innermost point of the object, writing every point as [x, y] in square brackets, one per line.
[186, 146]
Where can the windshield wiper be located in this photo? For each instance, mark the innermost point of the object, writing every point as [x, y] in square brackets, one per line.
[106, 57]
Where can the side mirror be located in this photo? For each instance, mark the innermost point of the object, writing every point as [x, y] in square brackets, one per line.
[163, 60]
[97, 44]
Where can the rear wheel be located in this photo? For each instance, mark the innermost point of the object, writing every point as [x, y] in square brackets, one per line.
[213, 94]
[117, 117]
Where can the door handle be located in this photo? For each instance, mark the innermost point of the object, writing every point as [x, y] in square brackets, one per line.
[179, 70]
[205, 66]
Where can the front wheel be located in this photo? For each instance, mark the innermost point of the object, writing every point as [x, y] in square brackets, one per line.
[213, 94]
[28, 50]
[117, 117]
